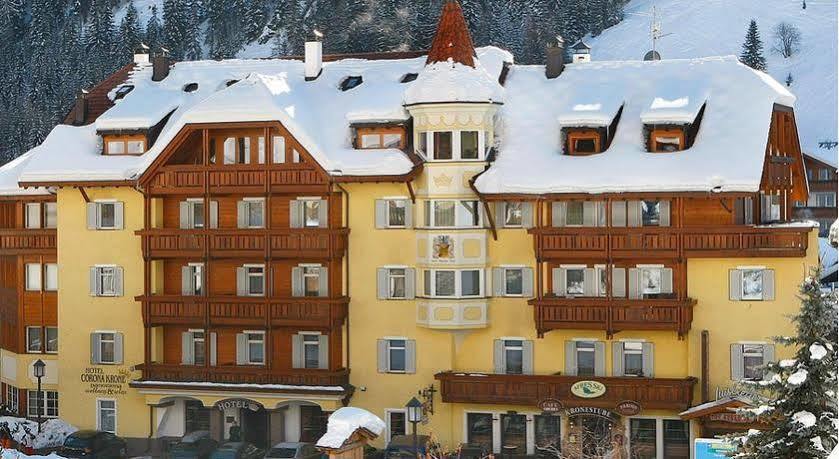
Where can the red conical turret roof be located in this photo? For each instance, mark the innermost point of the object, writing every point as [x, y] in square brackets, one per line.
[452, 40]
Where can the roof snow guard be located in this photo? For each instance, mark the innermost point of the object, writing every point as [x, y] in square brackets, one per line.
[452, 40]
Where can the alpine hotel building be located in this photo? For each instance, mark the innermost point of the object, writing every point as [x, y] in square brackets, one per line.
[571, 255]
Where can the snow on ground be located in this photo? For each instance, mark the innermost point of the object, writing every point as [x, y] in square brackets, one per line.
[828, 256]
[25, 432]
[718, 27]
[343, 422]
[15, 454]
[805, 418]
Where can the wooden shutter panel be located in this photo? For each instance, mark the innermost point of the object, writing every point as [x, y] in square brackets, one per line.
[241, 349]
[527, 357]
[500, 213]
[768, 284]
[382, 287]
[381, 355]
[617, 358]
[297, 357]
[634, 287]
[498, 285]
[647, 359]
[295, 217]
[381, 213]
[296, 281]
[599, 358]
[667, 280]
[527, 220]
[410, 283]
[118, 288]
[619, 282]
[633, 213]
[119, 215]
[95, 356]
[498, 356]
[323, 352]
[184, 215]
[213, 214]
[618, 213]
[94, 281]
[558, 209]
[118, 348]
[768, 356]
[187, 287]
[527, 282]
[410, 356]
[589, 282]
[323, 214]
[36, 217]
[323, 281]
[589, 213]
[187, 357]
[736, 362]
[409, 214]
[241, 281]
[748, 211]
[241, 214]
[601, 213]
[92, 209]
[735, 284]
[739, 211]
[213, 347]
[571, 358]
[260, 152]
[558, 281]
[664, 210]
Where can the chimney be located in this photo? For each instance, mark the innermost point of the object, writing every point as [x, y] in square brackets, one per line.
[313, 63]
[555, 57]
[160, 65]
[80, 109]
[141, 54]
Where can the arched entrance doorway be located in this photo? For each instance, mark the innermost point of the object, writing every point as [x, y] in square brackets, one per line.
[243, 420]
[595, 433]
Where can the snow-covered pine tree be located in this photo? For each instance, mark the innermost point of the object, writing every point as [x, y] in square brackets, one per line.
[174, 28]
[130, 34]
[193, 14]
[253, 20]
[154, 31]
[803, 408]
[100, 40]
[222, 26]
[752, 54]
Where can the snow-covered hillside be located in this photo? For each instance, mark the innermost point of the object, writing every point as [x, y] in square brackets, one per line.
[717, 27]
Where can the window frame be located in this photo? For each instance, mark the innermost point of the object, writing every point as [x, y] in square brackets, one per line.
[101, 274]
[251, 202]
[48, 395]
[50, 219]
[389, 424]
[566, 287]
[391, 277]
[389, 204]
[639, 352]
[508, 269]
[311, 340]
[310, 271]
[30, 349]
[754, 350]
[198, 336]
[458, 281]
[47, 285]
[251, 339]
[391, 347]
[381, 133]
[100, 205]
[29, 218]
[574, 135]
[47, 347]
[197, 278]
[33, 269]
[428, 145]
[506, 347]
[249, 275]
[102, 342]
[593, 350]
[13, 398]
[100, 410]
[304, 208]
[113, 141]
[742, 286]
[513, 206]
[457, 214]
[671, 132]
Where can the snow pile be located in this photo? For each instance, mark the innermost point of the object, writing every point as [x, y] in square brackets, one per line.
[594, 108]
[680, 109]
[817, 351]
[797, 378]
[454, 82]
[805, 418]
[25, 432]
[344, 422]
[15, 454]
[786, 363]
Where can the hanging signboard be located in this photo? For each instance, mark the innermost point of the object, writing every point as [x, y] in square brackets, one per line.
[550, 405]
[588, 389]
[628, 408]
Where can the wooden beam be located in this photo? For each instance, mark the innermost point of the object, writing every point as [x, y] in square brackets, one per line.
[84, 194]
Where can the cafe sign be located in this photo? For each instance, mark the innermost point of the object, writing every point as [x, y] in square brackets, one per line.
[628, 408]
[588, 389]
[550, 405]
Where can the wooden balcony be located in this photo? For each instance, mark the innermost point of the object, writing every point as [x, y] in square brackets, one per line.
[612, 315]
[529, 390]
[669, 242]
[27, 241]
[157, 374]
[245, 243]
[240, 178]
[314, 312]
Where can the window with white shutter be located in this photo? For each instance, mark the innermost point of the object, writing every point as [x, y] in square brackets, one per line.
[250, 213]
[250, 280]
[33, 215]
[106, 348]
[106, 280]
[33, 277]
[192, 279]
[394, 213]
[748, 360]
[396, 355]
[105, 215]
[395, 283]
[751, 283]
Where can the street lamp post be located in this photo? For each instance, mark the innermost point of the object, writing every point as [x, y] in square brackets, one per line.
[39, 369]
[414, 417]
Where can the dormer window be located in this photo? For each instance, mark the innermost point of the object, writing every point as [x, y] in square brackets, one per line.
[191, 87]
[465, 145]
[667, 140]
[350, 82]
[408, 77]
[581, 142]
[671, 124]
[380, 137]
[124, 145]
[123, 91]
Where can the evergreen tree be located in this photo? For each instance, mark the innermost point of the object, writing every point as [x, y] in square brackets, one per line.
[100, 40]
[222, 27]
[286, 28]
[752, 54]
[803, 407]
[154, 31]
[174, 28]
[130, 34]
[254, 20]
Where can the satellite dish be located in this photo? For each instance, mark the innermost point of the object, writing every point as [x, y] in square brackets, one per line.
[652, 56]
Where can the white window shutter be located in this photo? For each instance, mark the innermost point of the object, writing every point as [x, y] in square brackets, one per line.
[381, 355]
[601, 213]
[633, 213]
[410, 283]
[261, 150]
[768, 353]
[768, 284]
[409, 214]
[241, 349]
[241, 214]
[213, 214]
[382, 284]
[95, 352]
[118, 280]
[599, 358]
[187, 357]
[187, 286]
[617, 358]
[296, 281]
[527, 357]
[748, 211]
[634, 284]
[94, 281]
[558, 209]
[648, 359]
[35, 222]
[589, 213]
[241, 281]
[735, 284]
[500, 210]
[246, 143]
[323, 352]
[297, 351]
[92, 210]
[498, 284]
[278, 149]
[527, 282]
[498, 356]
[323, 213]
[527, 220]
[323, 281]
[664, 210]
[184, 210]
[410, 356]
[381, 213]
[618, 213]
[571, 358]
[558, 281]
[589, 282]
[619, 282]
[119, 215]
[118, 348]
[667, 280]
[213, 347]
[295, 209]
[736, 362]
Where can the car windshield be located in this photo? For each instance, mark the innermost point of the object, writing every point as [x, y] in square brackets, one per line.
[77, 442]
[282, 452]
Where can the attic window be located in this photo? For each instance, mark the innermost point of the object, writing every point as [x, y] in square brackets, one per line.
[408, 77]
[191, 87]
[350, 82]
[581, 142]
[665, 140]
[231, 83]
[123, 91]
[380, 137]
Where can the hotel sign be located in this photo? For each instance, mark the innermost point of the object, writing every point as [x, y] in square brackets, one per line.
[588, 389]
[99, 382]
[237, 403]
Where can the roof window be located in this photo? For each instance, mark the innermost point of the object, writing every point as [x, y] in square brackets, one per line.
[230, 83]
[350, 82]
[122, 91]
[408, 77]
[191, 87]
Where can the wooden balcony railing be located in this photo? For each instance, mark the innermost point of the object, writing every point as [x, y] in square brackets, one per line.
[501, 389]
[158, 373]
[247, 243]
[244, 178]
[612, 315]
[314, 312]
[669, 242]
[29, 241]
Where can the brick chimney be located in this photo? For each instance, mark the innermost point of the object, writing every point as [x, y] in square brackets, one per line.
[160, 65]
[80, 108]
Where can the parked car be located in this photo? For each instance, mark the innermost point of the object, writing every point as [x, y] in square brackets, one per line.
[198, 444]
[93, 444]
[402, 446]
[237, 450]
[294, 450]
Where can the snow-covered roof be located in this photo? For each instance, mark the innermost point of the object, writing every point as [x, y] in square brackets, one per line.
[454, 82]
[594, 107]
[728, 151]
[344, 422]
[9, 174]
[718, 403]
[679, 108]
